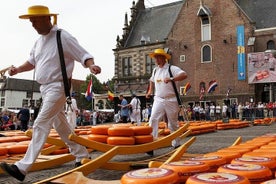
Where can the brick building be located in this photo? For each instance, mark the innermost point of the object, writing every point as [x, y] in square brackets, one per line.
[209, 39]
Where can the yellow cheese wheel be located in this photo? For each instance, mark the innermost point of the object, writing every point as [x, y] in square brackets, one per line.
[214, 177]
[142, 139]
[228, 156]
[141, 130]
[186, 168]
[213, 161]
[17, 149]
[98, 138]
[120, 140]
[265, 161]
[100, 129]
[260, 154]
[120, 131]
[255, 173]
[150, 176]
[60, 151]
[3, 151]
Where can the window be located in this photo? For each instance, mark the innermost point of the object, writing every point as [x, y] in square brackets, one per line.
[206, 54]
[127, 66]
[150, 64]
[25, 102]
[205, 28]
[29, 94]
[2, 102]
[270, 45]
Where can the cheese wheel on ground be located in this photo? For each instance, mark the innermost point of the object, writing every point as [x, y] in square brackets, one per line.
[264, 161]
[186, 168]
[120, 131]
[214, 177]
[3, 151]
[142, 139]
[228, 156]
[112, 140]
[100, 129]
[214, 162]
[255, 173]
[60, 151]
[141, 130]
[150, 176]
[260, 154]
[98, 138]
[17, 149]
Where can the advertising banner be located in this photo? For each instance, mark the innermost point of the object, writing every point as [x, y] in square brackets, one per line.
[261, 68]
[241, 52]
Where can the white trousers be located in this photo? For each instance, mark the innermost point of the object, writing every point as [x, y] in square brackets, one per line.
[51, 115]
[161, 107]
[135, 116]
[72, 119]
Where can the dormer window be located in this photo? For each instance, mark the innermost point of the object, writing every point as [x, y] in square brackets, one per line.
[204, 13]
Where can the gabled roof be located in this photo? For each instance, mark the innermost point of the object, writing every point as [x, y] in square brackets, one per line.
[21, 85]
[262, 12]
[154, 24]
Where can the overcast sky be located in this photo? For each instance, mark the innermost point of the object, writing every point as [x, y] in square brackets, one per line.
[95, 24]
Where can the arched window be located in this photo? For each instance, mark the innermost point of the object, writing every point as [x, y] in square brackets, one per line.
[206, 54]
[270, 45]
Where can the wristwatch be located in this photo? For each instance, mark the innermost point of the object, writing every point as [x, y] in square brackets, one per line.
[171, 78]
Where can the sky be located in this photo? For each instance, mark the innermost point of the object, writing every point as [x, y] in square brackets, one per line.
[94, 23]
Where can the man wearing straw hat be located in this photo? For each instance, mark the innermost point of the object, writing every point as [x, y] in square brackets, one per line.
[165, 101]
[44, 58]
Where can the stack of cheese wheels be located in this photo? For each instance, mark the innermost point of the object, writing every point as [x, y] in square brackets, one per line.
[255, 173]
[214, 162]
[120, 135]
[99, 133]
[265, 161]
[214, 177]
[228, 156]
[186, 168]
[150, 176]
[142, 134]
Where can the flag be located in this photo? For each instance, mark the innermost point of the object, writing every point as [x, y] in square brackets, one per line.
[228, 92]
[212, 86]
[186, 88]
[89, 92]
[110, 95]
[202, 91]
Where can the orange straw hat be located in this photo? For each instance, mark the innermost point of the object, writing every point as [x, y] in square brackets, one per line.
[158, 52]
[38, 11]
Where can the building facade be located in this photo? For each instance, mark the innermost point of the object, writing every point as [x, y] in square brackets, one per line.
[209, 39]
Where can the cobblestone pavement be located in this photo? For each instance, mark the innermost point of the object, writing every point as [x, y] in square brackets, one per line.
[204, 143]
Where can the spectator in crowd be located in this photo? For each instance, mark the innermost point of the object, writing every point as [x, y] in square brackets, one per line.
[24, 117]
[6, 123]
[218, 111]
[124, 109]
[212, 111]
[95, 117]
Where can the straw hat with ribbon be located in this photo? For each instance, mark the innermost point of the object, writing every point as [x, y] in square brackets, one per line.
[158, 52]
[38, 11]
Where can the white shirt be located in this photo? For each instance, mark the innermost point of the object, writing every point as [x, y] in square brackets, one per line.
[163, 89]
[45, 57]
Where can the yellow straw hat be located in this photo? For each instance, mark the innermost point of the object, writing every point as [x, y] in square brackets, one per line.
[160, 52]
[37, 11]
